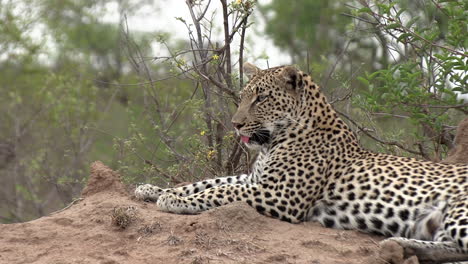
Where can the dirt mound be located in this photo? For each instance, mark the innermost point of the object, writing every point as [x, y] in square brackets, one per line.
[102, 179]
[459, 154]
[107, 226]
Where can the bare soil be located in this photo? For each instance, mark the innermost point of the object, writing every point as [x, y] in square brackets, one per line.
[109, 226]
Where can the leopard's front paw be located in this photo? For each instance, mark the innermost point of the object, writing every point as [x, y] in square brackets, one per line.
[148, 192]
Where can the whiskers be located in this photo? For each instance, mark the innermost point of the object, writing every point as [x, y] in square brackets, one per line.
[290, 118]
[261, 136]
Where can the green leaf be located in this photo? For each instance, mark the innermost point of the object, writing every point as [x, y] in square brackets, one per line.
[419, 116]
[373, 75]
[365, 10]
[440, 56]
[398, 14]
[393, 26]
[385, 8]
[403, 37]
[363, 80]
[412, 21]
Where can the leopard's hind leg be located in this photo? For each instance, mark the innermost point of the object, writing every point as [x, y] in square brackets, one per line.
[440, 234]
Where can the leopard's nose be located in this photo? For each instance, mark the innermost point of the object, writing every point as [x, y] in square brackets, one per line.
[237, 125]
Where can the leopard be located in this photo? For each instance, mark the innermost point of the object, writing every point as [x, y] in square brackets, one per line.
[311, 167]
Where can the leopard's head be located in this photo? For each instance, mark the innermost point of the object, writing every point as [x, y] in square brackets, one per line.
[268, 103]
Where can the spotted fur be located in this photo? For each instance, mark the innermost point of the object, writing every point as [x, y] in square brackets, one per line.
[311, 168]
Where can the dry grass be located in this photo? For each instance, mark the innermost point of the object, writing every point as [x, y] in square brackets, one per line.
[122, 217]
[173, 240]
[148, 230]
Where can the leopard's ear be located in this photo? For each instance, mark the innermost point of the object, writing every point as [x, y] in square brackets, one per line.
[292, 78]
[250, 70]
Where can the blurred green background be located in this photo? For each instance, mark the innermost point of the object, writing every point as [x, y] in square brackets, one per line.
[133, 84]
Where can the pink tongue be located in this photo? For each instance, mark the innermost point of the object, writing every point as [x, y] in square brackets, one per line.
[245, 139]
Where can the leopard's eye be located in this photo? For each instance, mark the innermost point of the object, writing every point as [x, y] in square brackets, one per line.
[261, 98]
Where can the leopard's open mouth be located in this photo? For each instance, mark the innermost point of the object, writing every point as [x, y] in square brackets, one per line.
[259, 137]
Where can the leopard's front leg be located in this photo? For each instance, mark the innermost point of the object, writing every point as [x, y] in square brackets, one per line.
[204, 200]
[151, 193]
[252, 194]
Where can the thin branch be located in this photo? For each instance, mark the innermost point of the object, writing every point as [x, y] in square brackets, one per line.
[227, 44]
[391, 115]
[340, 57]
[413, 33]
[365, 131]
[241, 54]
[203, 13]
[444, 106]
[359, 18]
[68, 206]
[217, 83]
